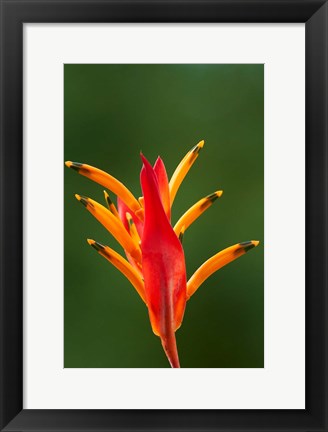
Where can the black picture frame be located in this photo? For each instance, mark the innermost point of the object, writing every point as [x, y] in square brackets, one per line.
[314, 13]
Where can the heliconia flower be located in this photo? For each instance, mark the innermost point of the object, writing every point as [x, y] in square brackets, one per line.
[155, 263]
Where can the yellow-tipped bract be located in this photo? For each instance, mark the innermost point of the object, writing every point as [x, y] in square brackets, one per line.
[183, 168]
[216, 262]
[107, 181]
[195, 211]
[110, 204]
[132, 228]
[112, 224]
[122, 265]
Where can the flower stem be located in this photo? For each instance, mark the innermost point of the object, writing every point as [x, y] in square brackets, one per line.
[170, 348]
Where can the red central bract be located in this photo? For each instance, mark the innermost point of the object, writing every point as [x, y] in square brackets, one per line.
[163, 263]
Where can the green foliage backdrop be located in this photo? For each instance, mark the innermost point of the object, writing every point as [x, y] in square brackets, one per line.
[112, 112]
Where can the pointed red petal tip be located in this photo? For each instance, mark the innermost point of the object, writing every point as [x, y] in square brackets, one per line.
[163, 266]
[144, 160]
[163, 186]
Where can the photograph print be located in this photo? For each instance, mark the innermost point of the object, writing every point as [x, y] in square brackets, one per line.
[164, 216]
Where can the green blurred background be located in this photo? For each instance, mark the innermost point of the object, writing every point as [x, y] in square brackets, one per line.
[112, 112]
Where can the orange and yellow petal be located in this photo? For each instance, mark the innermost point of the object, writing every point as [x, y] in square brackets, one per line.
[112, 224]
[216, 262]
[107, 181]
[195, 211]
[122, 265]
[183, 168]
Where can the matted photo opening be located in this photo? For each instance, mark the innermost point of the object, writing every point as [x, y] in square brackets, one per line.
[164, 259]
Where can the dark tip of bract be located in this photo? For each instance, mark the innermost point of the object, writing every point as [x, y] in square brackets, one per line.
[214, 196]
[248, 245]
[76, 166]
[109, 201]
[84, 200]
[196, 149]
[97, 246]
[181, 236]
[209, 200]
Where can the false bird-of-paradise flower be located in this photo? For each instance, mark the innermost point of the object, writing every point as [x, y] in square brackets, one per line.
[155, 263]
